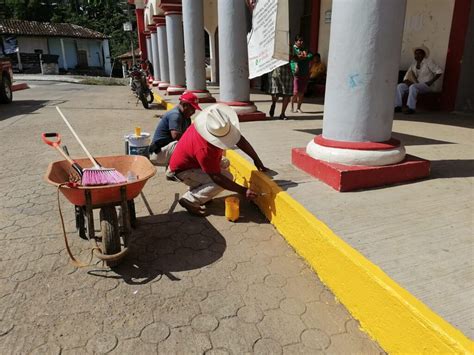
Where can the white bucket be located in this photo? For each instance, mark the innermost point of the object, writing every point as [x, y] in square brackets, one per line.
[137, 145]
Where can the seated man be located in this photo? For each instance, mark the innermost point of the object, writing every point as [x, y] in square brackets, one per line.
[317, 71]
[418, 80]
[171, 127]
[196, 160]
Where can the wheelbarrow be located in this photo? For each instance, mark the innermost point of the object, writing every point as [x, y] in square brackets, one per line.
[106, 198]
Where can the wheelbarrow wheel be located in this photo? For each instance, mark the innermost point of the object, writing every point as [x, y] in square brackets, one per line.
[110, 233]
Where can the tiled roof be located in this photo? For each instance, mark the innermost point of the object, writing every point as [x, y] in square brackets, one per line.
[46, 29]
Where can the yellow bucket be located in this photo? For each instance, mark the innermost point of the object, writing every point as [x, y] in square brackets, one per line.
[232, 210]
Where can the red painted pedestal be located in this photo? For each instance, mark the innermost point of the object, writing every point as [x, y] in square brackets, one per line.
[349, 178]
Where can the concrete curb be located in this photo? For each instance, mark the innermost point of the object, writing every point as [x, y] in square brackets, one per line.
[392, 316]
[19, 86]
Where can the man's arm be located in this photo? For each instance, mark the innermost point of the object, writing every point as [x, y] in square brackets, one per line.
[248, 149]
[430, 82]
[227, 184]
[176, 135]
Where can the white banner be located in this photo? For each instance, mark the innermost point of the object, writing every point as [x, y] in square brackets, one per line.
[267, 41]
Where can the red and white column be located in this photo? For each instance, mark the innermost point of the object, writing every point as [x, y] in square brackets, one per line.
[154, 54]
[356, 148]
[233, 59]
[174, 32]
[193, 23]
[139, 12]
[162, 52]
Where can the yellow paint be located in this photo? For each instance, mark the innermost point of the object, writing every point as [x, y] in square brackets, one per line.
[161, 101]
[398, 321]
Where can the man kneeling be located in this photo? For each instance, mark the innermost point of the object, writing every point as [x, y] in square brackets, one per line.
[196, 161]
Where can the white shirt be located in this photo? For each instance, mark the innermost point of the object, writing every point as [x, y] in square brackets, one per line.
[428, 70]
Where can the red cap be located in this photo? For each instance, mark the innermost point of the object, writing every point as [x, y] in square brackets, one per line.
[191, 99]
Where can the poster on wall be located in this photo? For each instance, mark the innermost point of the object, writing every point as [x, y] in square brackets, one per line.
[267, 37]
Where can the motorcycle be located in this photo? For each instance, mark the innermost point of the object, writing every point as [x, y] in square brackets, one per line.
[139, 85]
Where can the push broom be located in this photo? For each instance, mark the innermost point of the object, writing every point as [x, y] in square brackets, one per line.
[97, 175]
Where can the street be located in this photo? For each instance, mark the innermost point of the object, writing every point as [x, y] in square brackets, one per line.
[189, 284]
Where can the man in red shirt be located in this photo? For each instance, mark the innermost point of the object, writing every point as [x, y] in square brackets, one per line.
[196, 160]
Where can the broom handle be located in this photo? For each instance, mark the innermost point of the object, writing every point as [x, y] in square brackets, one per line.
[78, 139]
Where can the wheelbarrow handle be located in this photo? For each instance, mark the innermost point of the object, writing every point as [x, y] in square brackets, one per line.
[56, 144]
[52, 143]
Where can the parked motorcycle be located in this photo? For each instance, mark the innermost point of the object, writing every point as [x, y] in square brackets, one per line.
[139, 85]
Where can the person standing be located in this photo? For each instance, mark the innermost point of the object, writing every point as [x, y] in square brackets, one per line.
[300, 68]
[196, 160]
[419, 79]
[280, 85]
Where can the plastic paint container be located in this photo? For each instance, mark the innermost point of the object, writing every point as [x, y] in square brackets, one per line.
[137, 144]
[232, 210]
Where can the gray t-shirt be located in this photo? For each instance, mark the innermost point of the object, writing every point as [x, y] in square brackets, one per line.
[172, 120]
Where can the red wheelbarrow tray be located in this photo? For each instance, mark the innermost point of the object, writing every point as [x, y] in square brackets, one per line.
[58, 173]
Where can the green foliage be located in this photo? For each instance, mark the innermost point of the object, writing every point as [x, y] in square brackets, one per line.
[105, 16]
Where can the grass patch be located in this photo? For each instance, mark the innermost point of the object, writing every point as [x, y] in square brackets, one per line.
[105, 81]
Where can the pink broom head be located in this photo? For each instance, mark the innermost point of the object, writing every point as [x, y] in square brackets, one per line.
[102, 176]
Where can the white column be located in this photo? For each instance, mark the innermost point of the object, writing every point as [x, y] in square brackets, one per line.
[149, 55]
[106, 53]
[233, 57]
[155, 59]
[193, 23]
[63, 51]
[174, 27]
[213, 54]
[361, 82]
[163, 56]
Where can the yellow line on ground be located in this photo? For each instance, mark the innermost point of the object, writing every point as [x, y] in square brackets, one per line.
[163, 102]
[398, 321]
[392, 316]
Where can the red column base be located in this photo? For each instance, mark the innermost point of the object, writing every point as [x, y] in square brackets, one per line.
[349, 178]
[253, 116]
[19, 86]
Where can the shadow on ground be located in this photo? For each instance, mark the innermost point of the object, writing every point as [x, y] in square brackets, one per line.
[165, 244]
[21, 107]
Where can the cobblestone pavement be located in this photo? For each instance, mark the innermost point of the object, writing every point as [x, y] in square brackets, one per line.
[189, 285]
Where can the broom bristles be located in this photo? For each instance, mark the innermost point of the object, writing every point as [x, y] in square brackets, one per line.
[102, 176]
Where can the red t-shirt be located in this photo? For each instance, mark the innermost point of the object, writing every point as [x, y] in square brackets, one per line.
[194, 152]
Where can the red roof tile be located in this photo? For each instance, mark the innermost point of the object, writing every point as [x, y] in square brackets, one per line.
[46, 29]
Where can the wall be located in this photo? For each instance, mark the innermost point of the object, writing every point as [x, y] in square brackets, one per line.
[426, 21]
[70, 49]
[29, 44]
[465, 95]
[94, 51]
[296, 8]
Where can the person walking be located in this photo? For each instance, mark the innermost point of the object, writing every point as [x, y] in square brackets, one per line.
[300, 68]
[280, 85]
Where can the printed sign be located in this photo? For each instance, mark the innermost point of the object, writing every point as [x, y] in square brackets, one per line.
[269, 30]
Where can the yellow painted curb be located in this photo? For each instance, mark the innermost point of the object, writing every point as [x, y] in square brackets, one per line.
[398, 321]
[161, 101]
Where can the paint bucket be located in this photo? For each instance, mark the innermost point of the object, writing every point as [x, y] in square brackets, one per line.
[137, 144]
[232, 210]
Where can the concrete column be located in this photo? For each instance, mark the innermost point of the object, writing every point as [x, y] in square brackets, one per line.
[63, 51]
[139, 12]
[163, 55]
[233, 58]
[148, 46]
[193, 22]
[174, 27]
[154, 50]
[361, 83]
[106, 53]
[213, 56]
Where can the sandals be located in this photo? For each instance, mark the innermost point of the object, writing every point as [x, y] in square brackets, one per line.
[272, 109]
[199, 211]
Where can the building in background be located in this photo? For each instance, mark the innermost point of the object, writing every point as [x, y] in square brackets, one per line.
[71, 47]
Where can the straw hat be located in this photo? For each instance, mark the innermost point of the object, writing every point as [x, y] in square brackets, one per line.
[424, 49]
[219, 125]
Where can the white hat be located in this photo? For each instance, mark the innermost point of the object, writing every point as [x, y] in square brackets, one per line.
[219, 125]
[424, 49]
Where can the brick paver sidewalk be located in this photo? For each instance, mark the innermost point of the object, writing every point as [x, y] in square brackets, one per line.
[189, 285]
